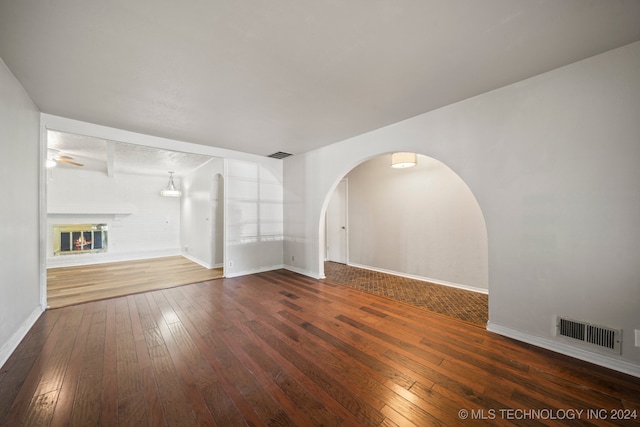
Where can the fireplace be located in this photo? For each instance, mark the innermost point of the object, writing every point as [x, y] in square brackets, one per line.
[79, 238]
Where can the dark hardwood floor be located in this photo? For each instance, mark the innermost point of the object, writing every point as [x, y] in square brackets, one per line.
[281, 349]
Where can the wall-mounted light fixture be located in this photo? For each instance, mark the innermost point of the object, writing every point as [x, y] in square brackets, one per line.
[403, 160]
[170, 190]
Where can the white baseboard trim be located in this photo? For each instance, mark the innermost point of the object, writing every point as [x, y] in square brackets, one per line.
[10, 346]
[568, 350]
[199, 261]
[421, 278]
[302, 271]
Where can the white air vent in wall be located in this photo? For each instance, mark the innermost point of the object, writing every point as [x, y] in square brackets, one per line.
[601, 337]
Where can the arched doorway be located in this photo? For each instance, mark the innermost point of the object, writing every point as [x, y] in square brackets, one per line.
[420, 222]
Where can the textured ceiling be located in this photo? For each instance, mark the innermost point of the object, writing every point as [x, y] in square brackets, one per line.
[265, 76]
[91, 153]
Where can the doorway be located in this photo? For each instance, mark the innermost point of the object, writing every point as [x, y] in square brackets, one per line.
[114, 187]
[336, 226]
[421, 222]
[416, 235]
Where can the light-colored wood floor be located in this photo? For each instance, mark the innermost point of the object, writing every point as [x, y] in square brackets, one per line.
[74, 285]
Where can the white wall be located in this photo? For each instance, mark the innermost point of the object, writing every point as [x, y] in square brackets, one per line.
[553, 163]
[142, 224]
[421, 221]
[19, 213]
[202, 214]
[253, 217]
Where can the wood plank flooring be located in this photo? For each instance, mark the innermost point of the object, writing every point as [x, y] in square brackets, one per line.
[73, 285]
[280, 349]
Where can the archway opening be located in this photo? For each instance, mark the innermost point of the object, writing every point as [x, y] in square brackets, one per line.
[421, 222]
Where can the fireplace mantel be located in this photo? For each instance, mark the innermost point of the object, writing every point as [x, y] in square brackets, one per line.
[78, 209]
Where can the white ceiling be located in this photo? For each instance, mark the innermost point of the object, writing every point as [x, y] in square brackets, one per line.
[92, 154]
[289, 75]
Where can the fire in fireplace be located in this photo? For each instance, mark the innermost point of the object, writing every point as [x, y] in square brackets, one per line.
[79, 238]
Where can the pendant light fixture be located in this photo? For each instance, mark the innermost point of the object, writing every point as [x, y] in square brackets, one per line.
[403, 160]
[170, 190]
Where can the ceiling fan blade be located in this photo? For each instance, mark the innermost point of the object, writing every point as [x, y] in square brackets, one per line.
[69, 162]
[64, 157]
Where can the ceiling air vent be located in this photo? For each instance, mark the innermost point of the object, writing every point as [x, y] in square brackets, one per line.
[279, 155]
[592, 335]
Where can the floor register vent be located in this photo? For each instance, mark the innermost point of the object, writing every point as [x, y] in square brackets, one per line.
[595, 336]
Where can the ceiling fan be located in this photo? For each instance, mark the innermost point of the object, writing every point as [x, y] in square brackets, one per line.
[54, 157]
